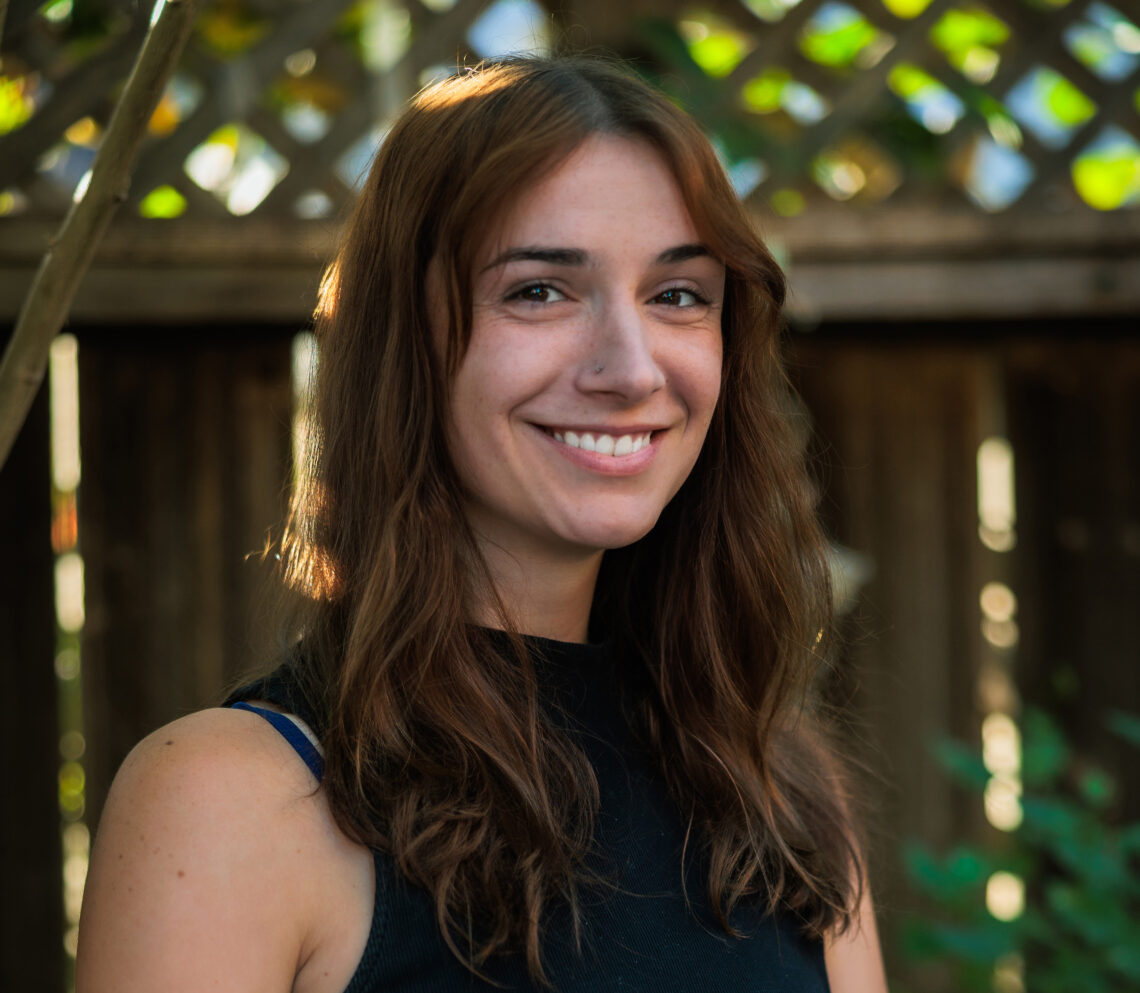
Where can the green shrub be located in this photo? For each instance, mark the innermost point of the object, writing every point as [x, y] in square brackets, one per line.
[1080, 928]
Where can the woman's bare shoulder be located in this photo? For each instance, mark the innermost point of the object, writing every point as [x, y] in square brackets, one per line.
[205, 862]
[209, 750]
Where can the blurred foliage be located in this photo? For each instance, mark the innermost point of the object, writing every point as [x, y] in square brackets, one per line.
[1080, 926]
[1108, 177]
[837, 36]
[16, 105]
[960, 30]
[1068, 104]
[714, 44]
[906, 9]
[163, 201]
[228, 28]
[759, 112]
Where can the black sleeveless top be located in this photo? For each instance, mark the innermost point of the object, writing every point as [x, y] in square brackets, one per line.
[639, 932]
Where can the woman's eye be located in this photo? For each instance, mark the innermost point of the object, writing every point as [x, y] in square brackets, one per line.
[678, 296]
[538, 293]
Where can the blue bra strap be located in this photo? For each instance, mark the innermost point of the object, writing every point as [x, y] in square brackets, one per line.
[292, 734]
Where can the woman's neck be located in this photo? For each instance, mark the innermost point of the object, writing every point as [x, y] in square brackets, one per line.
[545, 595]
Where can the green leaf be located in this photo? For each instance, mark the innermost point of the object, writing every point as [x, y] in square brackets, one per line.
[1129, 839]
[956, 880]
[1107, 182]
[962, 763]
[1125, 957]
[1126, 725]
[763, 94]
[1065, 102]
[906, 9]
[1051, 816]
[1044, 751]
[163, 201]
[983, 944]
[720, 52]
[1093, 916]
[839, 46]
[15, 106]
[961, 30]
[1097, 787]
[909, 81]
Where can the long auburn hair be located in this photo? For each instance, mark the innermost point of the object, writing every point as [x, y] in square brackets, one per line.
[438, 751]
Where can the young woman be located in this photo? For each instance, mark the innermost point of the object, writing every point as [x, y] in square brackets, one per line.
[563, 604]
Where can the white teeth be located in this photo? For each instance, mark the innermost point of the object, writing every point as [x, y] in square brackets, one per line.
[605, 444]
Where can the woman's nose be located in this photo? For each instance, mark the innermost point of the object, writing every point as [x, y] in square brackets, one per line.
[622, 360]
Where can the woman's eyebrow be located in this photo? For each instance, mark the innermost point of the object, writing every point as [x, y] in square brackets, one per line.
[682, 253]
[534, 253]
[578, 257]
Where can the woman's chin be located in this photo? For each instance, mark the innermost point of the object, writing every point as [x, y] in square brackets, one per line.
[613, 535]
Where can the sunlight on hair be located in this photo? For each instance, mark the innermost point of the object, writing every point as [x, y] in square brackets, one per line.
[467, 85]
[305, 567]
[308, 570]
[328, 292]
[303, 366]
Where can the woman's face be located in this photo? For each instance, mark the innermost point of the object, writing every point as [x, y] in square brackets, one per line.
[594, 361]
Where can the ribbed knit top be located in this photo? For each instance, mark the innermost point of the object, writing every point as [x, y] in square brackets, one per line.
[640, 933]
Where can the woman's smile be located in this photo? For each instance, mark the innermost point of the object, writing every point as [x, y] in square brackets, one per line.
[617, 453]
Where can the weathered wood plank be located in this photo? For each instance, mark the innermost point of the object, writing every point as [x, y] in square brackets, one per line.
[899, 428]
[894, 263]
[1075, 429]
[186, 447]
[31, 911]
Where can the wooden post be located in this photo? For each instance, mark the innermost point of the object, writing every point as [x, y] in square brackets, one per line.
[45, 308]
[31, 910]
[186, 452]
[898, 429]
[1075, 429]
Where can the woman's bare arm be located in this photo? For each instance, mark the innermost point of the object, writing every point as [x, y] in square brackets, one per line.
[854, 958]
[191, 885]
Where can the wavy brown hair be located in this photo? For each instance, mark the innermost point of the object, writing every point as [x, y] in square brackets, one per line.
[438, 750]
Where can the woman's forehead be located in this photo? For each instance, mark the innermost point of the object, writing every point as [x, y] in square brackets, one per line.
[611, 192]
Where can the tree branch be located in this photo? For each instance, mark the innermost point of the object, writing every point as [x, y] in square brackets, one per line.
[49, 298]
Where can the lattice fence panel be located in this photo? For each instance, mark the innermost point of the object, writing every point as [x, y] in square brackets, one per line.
[279, 104]
[1005, 102]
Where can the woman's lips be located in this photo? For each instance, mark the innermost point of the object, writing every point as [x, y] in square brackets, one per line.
[617, 453]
